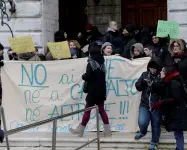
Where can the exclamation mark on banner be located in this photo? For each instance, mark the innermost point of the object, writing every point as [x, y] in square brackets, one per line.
[124, 109]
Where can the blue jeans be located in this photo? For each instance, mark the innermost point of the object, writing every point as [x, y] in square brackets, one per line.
[179, 137]
[145, 116]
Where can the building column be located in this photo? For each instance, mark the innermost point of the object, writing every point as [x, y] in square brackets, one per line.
[38, 19]
[106, 11]
[177, 11]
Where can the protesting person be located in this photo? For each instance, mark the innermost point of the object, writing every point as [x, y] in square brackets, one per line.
[137, 51]
[12, 55]
[172, 103]
[161, 49]
[149, 51]
[95, 86]
[74, 49]
[178, 52]
[129, 40]
[28, 56]
[107, 49]
[146, 114]
[60, 36]
[114, 37]
[1, 64]
[1, 52]
[84, 37]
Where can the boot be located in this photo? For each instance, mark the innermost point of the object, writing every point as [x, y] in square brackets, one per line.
[78, 131]
[107, 130]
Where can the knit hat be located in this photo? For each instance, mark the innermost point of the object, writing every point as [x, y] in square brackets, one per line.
[105, 45]
[89, 27]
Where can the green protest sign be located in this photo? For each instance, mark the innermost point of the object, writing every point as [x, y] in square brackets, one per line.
[165, 28]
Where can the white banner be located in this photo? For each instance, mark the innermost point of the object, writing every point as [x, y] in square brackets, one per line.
[34, 91]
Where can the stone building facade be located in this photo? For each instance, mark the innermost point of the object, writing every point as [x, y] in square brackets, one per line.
[39, 18]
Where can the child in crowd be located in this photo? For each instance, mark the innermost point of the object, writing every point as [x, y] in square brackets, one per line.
[137, 51]
[107, 49]
[74, 49]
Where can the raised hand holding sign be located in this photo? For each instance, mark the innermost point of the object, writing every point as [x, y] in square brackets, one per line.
[59, 50]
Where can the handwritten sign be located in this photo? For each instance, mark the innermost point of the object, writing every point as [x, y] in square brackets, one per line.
[22, 44]
[166, 28]
[59, 50]
[48, 89]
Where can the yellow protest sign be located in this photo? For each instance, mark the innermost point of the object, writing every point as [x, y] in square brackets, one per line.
[22, 44]
[59, 50]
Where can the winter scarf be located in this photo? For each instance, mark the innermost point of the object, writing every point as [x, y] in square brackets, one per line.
[95, 65]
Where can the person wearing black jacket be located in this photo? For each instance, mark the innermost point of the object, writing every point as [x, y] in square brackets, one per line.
[161, 49]
[96, 89]
[172, 103]
[178, 52]
[1, 64]
[114, 37]
[146, 114]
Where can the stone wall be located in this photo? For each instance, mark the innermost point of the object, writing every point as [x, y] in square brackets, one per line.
[50, 17]
[38, 18]
[106, 11]
[177, 11]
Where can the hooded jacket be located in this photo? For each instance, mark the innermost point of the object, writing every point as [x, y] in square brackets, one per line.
[147, 97]
[139, 46]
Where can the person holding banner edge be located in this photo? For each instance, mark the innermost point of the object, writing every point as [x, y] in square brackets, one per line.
[95, 87]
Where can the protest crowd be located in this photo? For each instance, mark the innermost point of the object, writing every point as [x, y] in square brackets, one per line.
[163, 85]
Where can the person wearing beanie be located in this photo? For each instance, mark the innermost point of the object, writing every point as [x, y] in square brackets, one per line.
[114, 37]
[161, 49]
[95, 87]
[172, 103]
[178, 51]
[146, 114]
[89, 27]
[129, 40]
[137, 51]
[89, 35]
[107, 49]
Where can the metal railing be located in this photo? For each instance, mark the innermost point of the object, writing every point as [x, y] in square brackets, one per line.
[54, 120]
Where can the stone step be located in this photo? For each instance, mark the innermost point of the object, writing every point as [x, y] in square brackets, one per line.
[43, 141]
[43, 148]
